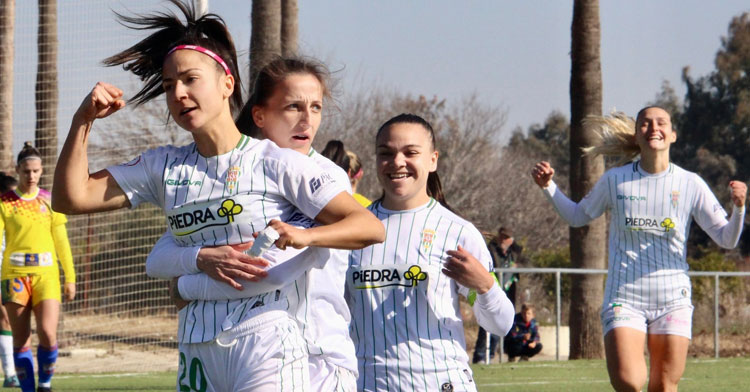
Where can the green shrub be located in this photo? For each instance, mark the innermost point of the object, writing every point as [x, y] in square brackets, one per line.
[712, 260]
[552, 258]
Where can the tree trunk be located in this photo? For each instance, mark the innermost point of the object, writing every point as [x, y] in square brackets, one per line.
[46, 89]
[7, 21]
[587, 244]
[265, 38]
[289, 27]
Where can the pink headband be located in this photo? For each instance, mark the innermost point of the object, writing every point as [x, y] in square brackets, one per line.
[359, 174]
[204, 51]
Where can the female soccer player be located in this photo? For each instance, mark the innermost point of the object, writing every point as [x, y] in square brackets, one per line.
[286, 107]
[355, 176]
[403, 293]
[35, 239]
[217, 190]
[652, 203]
[7, 184]
[347, 160]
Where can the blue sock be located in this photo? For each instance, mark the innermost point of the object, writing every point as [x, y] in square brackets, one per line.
[25, 368]
[46, 358]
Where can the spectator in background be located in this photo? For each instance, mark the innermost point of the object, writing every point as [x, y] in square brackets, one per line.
[7, 184]
[523, 339]
[347, 160]
[355, 174]
[505, 252]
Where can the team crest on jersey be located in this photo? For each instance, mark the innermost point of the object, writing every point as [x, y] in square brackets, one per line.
[427, 236]
[381, 276]
[675, 198]
[191, 219]
[233, 178]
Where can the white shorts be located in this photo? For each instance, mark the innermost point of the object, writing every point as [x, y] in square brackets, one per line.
[675, 320]
[263, 354]
[327, 377]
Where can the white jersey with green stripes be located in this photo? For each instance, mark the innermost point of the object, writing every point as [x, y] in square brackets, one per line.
[319, 296]
[651, 216]
[222, 200]
[407, 327]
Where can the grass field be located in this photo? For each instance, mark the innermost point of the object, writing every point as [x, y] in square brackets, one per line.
[704, 375]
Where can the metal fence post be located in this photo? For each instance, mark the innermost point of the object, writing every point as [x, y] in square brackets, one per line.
[716, 316]
[558, 286]
[557, 316]
[502, 338]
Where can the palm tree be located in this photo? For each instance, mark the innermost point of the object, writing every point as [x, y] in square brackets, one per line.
[265, 37]
[289, 28]
[587, 244]
[7, 18]
[46, 89]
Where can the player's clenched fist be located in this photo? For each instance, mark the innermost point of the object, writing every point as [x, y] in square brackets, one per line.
[103, 100]
[542, 173]
[739, 192]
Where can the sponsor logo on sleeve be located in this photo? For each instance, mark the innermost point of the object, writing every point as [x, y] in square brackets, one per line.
[317, 182]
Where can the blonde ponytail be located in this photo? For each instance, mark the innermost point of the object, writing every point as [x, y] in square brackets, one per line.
[616, 134]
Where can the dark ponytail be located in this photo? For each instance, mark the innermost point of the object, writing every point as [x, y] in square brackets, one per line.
[28, 152]
[434, 186]
[334, 150]
[146, 58]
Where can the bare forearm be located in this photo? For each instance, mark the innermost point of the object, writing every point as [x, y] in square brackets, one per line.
[72, 169]
[355, 231]
[75, 191]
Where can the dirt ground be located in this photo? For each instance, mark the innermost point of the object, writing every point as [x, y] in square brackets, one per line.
[98, 344]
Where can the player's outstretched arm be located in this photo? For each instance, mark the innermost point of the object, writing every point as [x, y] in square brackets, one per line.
[75, 191]
[726, 233]
[345, 225]
[574, 213]
[492, 308]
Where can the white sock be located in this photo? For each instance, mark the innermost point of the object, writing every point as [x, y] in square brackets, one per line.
[6, 355]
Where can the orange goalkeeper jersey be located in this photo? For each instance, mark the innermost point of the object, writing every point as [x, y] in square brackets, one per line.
[35, 236]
